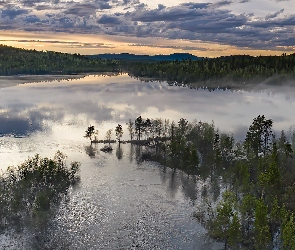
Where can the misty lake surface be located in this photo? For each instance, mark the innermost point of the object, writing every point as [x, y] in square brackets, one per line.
[121, 203]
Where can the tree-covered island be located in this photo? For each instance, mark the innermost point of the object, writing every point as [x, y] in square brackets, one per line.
[248, 201]
[30, 194]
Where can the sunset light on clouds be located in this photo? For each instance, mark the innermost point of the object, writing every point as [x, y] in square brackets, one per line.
[214, 28]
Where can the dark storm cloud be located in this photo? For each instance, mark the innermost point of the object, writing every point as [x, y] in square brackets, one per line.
[274, 15]
[87, 9]
[32, 19]
[208, 22]
[202, 22]
[13, 13]
[215, 24]
[177, 13]
[175, 47]
[279, 22]
[195, 5]
[221, 4]
[112, 20]
[66, 44]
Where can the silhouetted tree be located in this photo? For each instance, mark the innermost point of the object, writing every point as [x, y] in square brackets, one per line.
[119, 132]
[89, 133]
[139, 126]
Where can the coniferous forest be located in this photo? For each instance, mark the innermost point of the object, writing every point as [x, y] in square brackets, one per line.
[218, 71]
[208, 71]
[15, 61]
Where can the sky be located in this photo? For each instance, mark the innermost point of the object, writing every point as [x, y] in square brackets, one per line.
[203, 28]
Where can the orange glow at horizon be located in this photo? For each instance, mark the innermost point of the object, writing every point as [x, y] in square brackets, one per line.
[87, 44]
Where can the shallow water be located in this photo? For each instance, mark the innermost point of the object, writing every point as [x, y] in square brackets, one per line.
[120, 203]
[125, 205]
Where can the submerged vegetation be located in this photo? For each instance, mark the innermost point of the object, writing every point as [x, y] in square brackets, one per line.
[252, 204]
[248, 194]
[31, 192]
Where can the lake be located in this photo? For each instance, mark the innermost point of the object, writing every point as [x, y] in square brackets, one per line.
[121, 203]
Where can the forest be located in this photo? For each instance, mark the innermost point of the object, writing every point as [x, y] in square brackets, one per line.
[218, 71]
[214, 72]
[14, 61]
[248, 202]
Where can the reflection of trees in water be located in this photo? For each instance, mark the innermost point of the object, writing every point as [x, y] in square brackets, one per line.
[173, 183]
[91, 150]
[119, 152]
[131, 152]
[138, 153]
[179, 180]
[189, 186]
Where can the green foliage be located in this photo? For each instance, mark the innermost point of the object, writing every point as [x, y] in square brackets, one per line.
[247, 212]
[275, 215]
[259, 136]
[271, 177]
[226, 225]
[234, 231]
[216, 71]
[288, 231]
[19, 61]
[258, 175]
[210, 72]
[261, 227]
[30, 192]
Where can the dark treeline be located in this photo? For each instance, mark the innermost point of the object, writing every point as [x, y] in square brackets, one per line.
[240, 68]
[15, 61]
[208, 71]
[251, 204]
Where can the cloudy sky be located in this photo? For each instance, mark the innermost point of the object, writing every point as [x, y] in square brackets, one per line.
[204, 28]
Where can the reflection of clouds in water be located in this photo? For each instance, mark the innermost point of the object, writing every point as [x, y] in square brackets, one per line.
[18, 125]
[240, 131]
[23, 122]
[99, 99]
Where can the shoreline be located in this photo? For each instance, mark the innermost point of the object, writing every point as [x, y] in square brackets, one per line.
[14, 80]
[10, 81]
[223, 83]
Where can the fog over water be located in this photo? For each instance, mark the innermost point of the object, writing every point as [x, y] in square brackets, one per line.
[103, 101]
[120, 203]
[54, 115]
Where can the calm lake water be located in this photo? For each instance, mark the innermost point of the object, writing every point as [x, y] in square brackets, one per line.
[120, 203]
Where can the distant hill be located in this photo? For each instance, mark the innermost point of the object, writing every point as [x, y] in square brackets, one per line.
[14, 61]
[133, 57]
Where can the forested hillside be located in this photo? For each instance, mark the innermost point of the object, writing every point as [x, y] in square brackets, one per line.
[240, 68]
[19, 61]
[235, 68]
